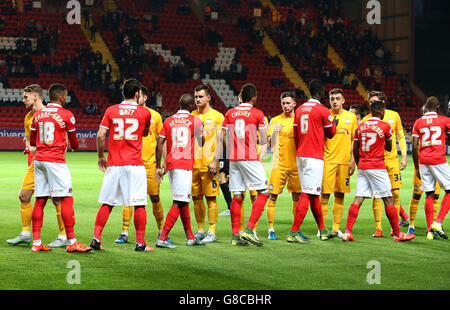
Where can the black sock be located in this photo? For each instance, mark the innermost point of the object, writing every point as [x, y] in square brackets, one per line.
[226, 193]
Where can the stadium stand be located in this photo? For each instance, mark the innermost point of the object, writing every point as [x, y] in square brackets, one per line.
[172, 50]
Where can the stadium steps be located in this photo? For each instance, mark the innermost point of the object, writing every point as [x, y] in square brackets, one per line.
[288, 70]
[339, 63]
[100, 45]
[110, 5]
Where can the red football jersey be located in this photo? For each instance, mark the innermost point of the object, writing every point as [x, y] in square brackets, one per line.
[371, 135]
[431, 129]
[243, 123]
[126, 123]
[51, 124]
[180, 131]
[310, 120]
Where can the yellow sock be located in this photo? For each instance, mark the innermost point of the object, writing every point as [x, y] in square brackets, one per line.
[213, 215]
[413, 206]
[396, 196]
[200, 213]
[126, 218]
[338, 211]
[271, 213]
[435, 208]
[62, 229]
[324, 204]
[158, 213]
[242, 222]
[377, 211]
[26, 209]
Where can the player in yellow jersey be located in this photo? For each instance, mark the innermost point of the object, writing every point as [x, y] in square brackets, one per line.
[284, 164]
[390, 158]
[339, 164]
[32, 99]
[417, 194]
[148, 156]
[359, 112]
[205, 183]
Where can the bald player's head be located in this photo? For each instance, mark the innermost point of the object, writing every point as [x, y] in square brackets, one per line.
[187, 102]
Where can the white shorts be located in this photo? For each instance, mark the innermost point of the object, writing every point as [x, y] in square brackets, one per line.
[181, 184]
[52, 179]
[310, 172]
[373, 183]
[247, 174]
[432, 173]
[124, 185]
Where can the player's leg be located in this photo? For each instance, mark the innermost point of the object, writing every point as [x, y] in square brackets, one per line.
[42, 192]
[26, 208]
[224, 187]
[353, 210]
[110, 194]
[237, 187]
[303, 202]
[140, 222]
[211, 190]
[61, 240]
[199, 204]
[127, 214]
[442, 175]
[255, 179]
[330, 174]
[277, 180]
[213, 215]
[413, 206]
[253, 196]
[342, 187]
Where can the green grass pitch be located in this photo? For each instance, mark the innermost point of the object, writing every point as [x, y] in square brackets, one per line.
[330, 265]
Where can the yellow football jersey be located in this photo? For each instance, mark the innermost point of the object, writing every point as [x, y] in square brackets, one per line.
[149, 142]
[284, 149]
[393, 119]
[212, 125]
[266, 121]
[337, 150]
[27, 122]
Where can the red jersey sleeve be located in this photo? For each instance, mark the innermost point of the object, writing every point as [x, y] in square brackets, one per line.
[163, 132]
[105, 120]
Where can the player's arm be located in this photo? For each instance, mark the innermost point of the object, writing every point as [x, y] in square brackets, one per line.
[351, 168]
[330, 130]
[212, 167]
[415, 153]
[101, 138]
[402, 144]
[159, 151]
[262, 142]
[73, 141]
[356, 151]
[28, 145]
[388, 144]
[33, 138]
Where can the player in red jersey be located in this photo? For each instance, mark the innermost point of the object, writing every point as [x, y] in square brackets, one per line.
[240, 127]
[430, 161]
[125, 180]
[372, 138]
[52, 178]
[312, 123]
[179, 132]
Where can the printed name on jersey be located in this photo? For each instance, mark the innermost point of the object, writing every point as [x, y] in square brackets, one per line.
[177, 120]
[241, 111]
[56, 117]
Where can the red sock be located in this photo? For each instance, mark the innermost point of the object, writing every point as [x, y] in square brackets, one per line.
[140, 221]
[257, 210]
[403, 214]
[171, 219]
[186, 220]
[300, 211]
[429, 211]
[391, 212]
[316, 209]
[37, 217]
[235, 214]
[68, 216]
[445, 205]
[351, 217]
[101, 219]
